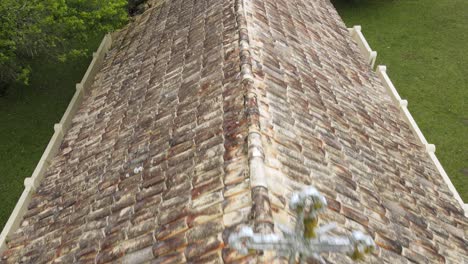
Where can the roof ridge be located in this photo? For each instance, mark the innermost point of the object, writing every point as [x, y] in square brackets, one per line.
[261, 209]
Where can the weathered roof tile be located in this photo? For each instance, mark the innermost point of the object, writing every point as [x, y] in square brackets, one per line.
[156, 164]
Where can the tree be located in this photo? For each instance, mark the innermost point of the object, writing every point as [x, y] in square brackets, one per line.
[30, 28]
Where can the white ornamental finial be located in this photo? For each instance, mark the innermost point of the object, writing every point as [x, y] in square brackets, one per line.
[308, 239]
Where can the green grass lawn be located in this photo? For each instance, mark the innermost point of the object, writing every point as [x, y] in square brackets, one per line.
[424, 44]
[27, 116]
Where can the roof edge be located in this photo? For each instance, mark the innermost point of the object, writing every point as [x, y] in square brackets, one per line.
[430, 149]
[381, 71]
[60, 129]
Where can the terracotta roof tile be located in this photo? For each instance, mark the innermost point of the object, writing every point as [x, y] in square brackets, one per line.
[206, 115]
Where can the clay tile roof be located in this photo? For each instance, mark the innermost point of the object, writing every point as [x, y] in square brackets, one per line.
[206, 115]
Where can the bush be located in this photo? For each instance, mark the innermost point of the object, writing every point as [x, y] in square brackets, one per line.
[29, 28]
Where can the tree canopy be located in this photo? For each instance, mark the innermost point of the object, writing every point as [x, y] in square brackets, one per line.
[30, 28]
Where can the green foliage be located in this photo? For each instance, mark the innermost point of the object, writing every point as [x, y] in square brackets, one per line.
[29, 28]
[27, 117]
[23, 76]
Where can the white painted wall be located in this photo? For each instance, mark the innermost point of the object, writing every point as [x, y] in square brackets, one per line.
[358, 37]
